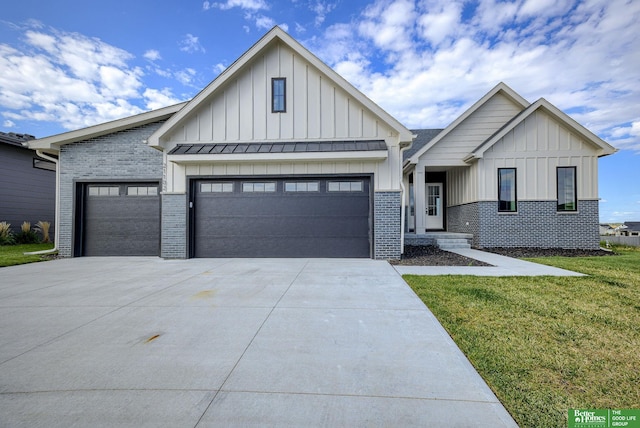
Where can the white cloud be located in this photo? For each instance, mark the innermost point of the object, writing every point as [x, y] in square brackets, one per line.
[67, 78]
[8, 124]
[117, 83]
[252, 12]
[441, 56]
[191, 44]
[156, 99]
[440, 24]
[185, 76]
[242, 4]
[321, 10]
[390, 26]
[264, 22]
[152, 55]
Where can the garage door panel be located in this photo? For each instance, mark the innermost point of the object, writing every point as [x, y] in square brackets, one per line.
[282, 247]
[279, 226]
[121, 224]
[282, 223]
[285, 205]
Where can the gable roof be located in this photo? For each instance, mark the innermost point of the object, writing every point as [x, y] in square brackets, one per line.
[275, 34]
[542, 104]
[499, 88]
[52, 144]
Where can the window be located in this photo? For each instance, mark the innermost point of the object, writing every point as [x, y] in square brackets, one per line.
[216, 188]
[345, 186]
[507, 197]
[104, 191]
[302, 186]
[142, 191]
[253, 187]
[44, 164]
[567, 200]
[279, 95]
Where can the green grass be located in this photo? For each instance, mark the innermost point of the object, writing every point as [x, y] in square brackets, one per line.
[11, 255]
[547, 344]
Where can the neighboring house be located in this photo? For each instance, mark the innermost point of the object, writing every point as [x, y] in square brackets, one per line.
[27, 183]
[278, 157]
[630, 228]
[511, 173]
[606, 229]
[281, 157]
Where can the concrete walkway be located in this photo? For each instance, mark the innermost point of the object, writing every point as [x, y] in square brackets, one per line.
[501, 266]
[144, 342]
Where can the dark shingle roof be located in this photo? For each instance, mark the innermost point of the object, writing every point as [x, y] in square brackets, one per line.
[632, 225]
[292, 147]
[423, 137]
[15, 139]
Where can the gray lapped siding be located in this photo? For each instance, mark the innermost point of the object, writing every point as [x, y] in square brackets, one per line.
[26, 193]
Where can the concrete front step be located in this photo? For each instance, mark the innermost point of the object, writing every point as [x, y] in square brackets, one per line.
[444, 244]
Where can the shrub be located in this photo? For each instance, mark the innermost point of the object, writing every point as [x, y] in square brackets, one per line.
[6, 236]
[43, 227]
[26, 235]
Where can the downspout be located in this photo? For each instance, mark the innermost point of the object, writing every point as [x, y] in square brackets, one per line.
[57, 209]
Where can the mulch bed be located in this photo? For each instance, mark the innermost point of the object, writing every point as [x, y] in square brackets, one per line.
[525, 252]
[429, 255]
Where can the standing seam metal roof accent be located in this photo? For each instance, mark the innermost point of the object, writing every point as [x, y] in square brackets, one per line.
[289, 147]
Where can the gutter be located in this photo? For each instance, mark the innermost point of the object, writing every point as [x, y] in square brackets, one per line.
[57, 209]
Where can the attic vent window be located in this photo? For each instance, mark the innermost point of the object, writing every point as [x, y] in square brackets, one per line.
[278, 95]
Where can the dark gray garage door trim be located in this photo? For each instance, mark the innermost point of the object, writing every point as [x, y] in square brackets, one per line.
[192, 183]
[79, 207]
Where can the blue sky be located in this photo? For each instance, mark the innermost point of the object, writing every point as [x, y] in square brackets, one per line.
[69, 64]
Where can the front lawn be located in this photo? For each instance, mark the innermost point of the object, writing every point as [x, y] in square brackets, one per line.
[547, 344]
[14, 254]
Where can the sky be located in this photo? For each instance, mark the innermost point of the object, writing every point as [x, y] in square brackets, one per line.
[69, 64]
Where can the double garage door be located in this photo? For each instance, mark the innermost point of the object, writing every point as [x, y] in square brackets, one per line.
[271, 217]
[281, 217]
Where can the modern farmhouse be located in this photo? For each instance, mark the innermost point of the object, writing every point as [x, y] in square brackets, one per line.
[280, 156]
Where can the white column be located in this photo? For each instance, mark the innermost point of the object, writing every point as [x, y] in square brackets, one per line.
[421, 205]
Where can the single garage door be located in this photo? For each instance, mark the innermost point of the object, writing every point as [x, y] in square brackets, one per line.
[283, 217]
[120, 219]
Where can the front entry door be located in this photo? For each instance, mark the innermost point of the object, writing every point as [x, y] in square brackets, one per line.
[434, 218]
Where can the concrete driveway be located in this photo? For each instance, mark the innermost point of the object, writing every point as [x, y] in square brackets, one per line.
[226, 342]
